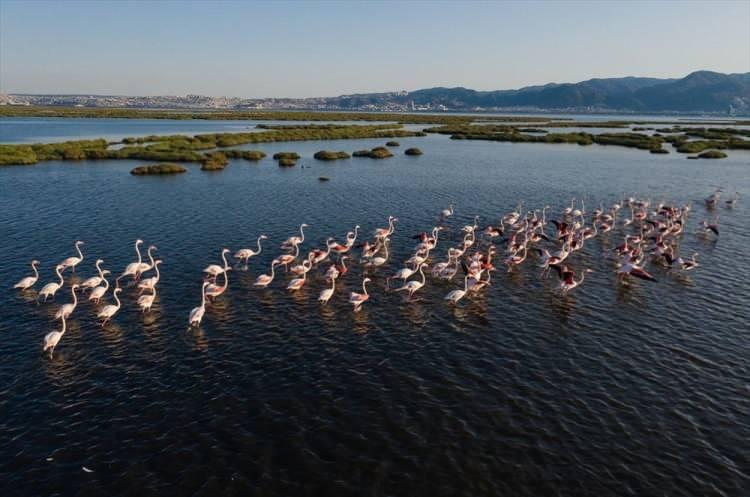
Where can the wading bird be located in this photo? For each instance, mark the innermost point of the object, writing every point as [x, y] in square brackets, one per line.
[29, 281]
[52, 338]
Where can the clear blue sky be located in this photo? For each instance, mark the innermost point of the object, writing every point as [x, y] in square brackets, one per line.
[300, 49]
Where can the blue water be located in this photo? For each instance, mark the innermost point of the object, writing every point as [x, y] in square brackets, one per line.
[639, 389]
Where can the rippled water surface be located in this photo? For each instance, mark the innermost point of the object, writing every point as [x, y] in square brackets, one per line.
[612, 390]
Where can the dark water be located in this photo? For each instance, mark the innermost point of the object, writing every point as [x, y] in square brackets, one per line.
[612, 390]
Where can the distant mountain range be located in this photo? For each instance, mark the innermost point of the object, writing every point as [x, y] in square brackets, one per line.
[701, 91]
[698, 92]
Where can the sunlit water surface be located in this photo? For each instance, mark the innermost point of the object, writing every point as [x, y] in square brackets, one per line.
[629, 390]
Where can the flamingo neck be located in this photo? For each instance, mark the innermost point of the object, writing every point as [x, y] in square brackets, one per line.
[99, 269]
[64, 326]
[78, 248]
[138, 251]
[62, 281]
[203, 296]
[364, 287]
[259, 247]
[466, 283]
[75, 297]
[117, 299]
[224, 258]
[36, 273]
[106, 284]
[273, 268]
[156, 266]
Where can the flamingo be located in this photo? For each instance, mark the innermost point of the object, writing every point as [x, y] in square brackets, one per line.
[52, 338]
[327, 293]
[215, 270]
[567, 277]
[336, 270]
[635, 270]
[73, 261]
[414, 285]
[146, 301]
[287, 259]
[293, 241]
[196, 315]
[297, 283]
[710, 228]
[402, 274]
[29, 281]
[303, 268]
[447, 212]
[108, 311]
[357, 299]
[98, 292]
[132, 268]
[382, 233]
[213, 290]
[515, 259]
[319, 255]
[150, 283]
[50, 289]
[264, 280]
[246, 254]
[379, 261]
[67, 309]
[454, 296]
[146, 266]
[732, 201]
[94, 281]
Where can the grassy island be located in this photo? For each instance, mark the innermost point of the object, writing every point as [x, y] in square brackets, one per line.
[375, 153]
[329, 155]
[412, 151]
[158, 169]
[392, 144]
[287, 162]
[712, 154]
[286, 155]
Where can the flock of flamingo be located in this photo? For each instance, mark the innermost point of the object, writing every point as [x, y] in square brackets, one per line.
[651, 235]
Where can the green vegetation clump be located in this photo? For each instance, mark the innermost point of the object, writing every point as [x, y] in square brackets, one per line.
[324, 178]
[694, 147]
[330, 155]
[214, 161]
[286, 162]
[412, 151]
[156, 169]
[251, 155]
[286, 155]
[392, 143]
[659, 151]
[375, 153]
[712, 154]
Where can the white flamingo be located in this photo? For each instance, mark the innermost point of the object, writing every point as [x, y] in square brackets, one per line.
[196, 315]
[146, 301]
[98, 292]
[73, 261]
[264, 280]
[50, 289]
[215, 270]
[29, 281]
[456, 295]
[67, 309]
[146, 266]
[357, 299]
[94, 281]
[327, 293]
[297, 283]
[447, 212]
[108, 311]
[150, 283]
[293, 241]
[132, 268]
[379, 261]
[414, 285]
[244, 255]
[52, 338]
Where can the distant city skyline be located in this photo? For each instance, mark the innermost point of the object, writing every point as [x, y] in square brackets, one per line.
[311, 49]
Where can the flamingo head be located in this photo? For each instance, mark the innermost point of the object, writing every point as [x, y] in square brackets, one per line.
[206, 283]
[117, 290]
[152, 247]
[34, 262]
[366, 280]
[263, 237]
[225, 251]
[138, 242]
[99, 261]
[106, 271]
[79, 242]
[304, 225]
[73, 287]
[158, 261]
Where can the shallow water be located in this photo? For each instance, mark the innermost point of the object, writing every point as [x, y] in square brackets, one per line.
[639, 389]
